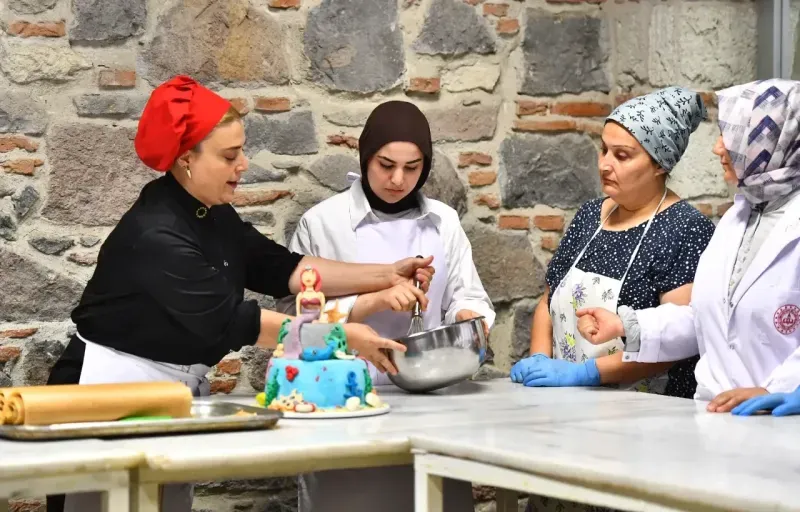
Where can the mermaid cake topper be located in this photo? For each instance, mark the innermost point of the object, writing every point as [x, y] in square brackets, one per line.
[310, 300]
[310, 336]
[312, 369]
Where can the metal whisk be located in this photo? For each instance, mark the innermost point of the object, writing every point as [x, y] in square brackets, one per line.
[416, 318]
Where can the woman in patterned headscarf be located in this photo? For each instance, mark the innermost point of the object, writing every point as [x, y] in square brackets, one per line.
[637, 247]
[745, 310]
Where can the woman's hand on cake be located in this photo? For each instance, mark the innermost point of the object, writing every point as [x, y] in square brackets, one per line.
[371, 346]
[409, 269]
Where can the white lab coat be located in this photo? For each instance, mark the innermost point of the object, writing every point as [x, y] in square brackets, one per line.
[344, 228]
[751, 339]
[329, 230]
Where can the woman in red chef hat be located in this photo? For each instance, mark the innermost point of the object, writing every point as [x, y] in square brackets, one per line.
[166, 300]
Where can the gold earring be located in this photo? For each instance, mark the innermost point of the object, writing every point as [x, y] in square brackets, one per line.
[189, 173]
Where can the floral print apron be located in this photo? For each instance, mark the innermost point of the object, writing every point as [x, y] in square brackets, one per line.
[580, 290]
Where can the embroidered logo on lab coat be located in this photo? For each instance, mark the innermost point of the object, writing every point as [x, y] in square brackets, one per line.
[786, 318]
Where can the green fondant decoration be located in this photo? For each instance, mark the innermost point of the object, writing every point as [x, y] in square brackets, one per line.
[272, 388]
[367, 382]
[284, 330]
[146, 418]
[338, 336]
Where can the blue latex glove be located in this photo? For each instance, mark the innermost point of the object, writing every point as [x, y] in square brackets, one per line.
[522, 367]
[781, 404]
[560, 373]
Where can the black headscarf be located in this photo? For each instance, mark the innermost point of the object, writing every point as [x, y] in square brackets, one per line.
[395, 121]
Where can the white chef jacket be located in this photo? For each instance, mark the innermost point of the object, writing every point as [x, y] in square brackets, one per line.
[750, 338]
[328, 230]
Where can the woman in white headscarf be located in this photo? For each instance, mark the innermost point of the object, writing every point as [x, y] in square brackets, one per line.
[744, 315]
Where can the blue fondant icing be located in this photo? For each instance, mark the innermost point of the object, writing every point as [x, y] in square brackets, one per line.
[318, 353]
[326, 384]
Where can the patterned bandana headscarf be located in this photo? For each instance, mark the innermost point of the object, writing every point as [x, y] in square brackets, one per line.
[662, 122]
[759, 125]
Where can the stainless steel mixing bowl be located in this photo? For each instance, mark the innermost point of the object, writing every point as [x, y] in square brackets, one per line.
[440, 357]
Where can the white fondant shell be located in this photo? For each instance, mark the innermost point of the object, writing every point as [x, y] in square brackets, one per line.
[353, 403]
[373, 400]
[304, 407]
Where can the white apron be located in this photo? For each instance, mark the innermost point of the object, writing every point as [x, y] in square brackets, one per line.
[580, 290]
[388, 489]
[103, 365]
[390, 241]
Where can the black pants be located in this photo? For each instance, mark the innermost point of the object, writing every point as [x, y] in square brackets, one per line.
[67, 370]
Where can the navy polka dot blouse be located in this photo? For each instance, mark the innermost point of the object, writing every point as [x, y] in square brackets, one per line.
[667, 260]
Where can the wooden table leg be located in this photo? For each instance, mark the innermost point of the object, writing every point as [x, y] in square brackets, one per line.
[116, 497]
[145, 497]
[506, 500]
[116, 500]
[428, 495]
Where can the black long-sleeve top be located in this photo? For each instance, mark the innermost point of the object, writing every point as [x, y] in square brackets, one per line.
[170, 280]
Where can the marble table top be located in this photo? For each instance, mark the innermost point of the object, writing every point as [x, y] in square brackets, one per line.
[490, 403]
[654, 445]
[667, 446]
[51, 458]
[468, 404]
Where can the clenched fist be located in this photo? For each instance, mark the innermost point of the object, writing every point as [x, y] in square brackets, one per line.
[598, 325]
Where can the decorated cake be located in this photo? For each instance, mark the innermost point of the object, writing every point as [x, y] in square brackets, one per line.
[312, 369]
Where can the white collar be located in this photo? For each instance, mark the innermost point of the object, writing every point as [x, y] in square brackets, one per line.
[360, 208]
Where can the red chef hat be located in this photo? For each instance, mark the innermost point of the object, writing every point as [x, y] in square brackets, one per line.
[179, 114]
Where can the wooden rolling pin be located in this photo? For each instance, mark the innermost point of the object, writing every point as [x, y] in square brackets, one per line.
[3, 392]
[48, 405]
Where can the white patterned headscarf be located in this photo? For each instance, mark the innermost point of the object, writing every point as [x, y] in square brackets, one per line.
[662, 122]
[759, 125]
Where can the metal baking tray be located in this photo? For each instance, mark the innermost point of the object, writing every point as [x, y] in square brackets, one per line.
[207, 416]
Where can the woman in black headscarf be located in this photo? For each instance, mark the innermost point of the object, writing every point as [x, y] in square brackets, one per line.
[383, 215]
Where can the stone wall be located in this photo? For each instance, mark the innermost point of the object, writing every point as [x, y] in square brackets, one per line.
[515, 91]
